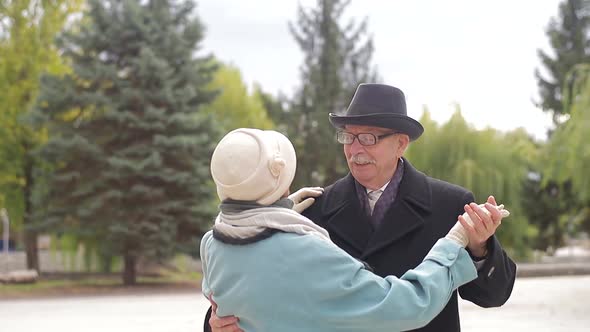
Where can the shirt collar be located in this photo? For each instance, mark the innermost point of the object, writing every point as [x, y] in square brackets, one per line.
[380, 189]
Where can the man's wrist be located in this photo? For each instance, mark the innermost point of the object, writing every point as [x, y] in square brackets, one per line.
[478, 255]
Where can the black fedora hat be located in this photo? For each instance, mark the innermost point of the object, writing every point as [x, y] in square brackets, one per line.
[379, 105]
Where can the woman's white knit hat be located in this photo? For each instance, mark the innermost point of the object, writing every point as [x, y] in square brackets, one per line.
[253, 165]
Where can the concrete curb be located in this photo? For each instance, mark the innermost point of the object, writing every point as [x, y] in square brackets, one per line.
[525, 270]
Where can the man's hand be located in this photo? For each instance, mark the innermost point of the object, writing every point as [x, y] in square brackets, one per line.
[304, 197]
[222, 324]
[476, 225]
[481, 224]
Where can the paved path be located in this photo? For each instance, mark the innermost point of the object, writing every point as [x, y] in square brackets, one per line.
[556, 304]
[547, 304]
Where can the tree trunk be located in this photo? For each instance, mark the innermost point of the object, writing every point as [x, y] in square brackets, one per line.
[129, 276]
[30, 233]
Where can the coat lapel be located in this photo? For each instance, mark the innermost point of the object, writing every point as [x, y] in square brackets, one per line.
[406, 214]
[344, 215]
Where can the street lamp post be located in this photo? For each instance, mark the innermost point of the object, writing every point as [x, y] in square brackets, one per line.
[5, 235]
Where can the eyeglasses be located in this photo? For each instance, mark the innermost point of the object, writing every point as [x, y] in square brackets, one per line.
[365, 139]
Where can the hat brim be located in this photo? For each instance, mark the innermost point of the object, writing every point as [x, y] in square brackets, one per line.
[397, 122]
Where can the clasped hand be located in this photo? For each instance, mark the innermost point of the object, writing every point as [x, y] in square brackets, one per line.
[477, 225]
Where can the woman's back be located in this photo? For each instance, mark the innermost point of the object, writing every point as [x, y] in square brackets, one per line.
[293, 282]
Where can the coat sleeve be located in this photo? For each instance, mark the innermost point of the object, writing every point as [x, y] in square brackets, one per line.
[205, 241]
[495, 278]
[205, 285]
[206, 326]
[349, 297]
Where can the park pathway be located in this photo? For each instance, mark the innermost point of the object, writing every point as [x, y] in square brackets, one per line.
[545, 304]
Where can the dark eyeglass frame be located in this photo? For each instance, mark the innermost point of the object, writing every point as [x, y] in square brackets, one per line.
[375, 139]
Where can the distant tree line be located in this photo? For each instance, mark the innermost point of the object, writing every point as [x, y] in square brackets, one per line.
[109, 113]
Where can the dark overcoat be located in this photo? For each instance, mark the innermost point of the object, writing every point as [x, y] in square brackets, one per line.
[423, 211]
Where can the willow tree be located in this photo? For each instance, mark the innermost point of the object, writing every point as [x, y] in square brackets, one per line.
[486, 162]
[568, 152]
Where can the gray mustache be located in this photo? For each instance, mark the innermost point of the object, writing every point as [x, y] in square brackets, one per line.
[361, 159]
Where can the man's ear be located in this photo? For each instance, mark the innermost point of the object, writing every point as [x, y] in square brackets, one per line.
[404, 142]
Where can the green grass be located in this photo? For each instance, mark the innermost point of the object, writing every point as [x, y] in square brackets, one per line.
[92, 284]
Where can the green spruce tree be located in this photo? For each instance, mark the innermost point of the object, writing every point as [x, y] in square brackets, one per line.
[544, 206]
[128, 132]
[337, 58]
[569, 37]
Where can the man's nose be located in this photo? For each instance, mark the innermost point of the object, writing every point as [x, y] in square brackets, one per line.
[356, 147]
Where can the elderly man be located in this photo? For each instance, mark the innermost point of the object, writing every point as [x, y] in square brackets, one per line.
[388, 214]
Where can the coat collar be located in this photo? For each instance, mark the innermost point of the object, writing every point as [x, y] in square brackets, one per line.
[415, 188]
[344, 216]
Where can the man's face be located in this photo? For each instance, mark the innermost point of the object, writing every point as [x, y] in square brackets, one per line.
[374, 165]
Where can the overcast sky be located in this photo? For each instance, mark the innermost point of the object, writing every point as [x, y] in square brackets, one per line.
[479, 54]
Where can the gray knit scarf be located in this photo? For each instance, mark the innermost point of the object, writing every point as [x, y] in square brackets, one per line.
[242, 222]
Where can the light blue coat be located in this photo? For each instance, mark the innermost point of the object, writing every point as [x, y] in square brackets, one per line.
[291, 282]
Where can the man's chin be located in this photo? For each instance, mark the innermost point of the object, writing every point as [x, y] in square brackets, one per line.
[362, 172]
